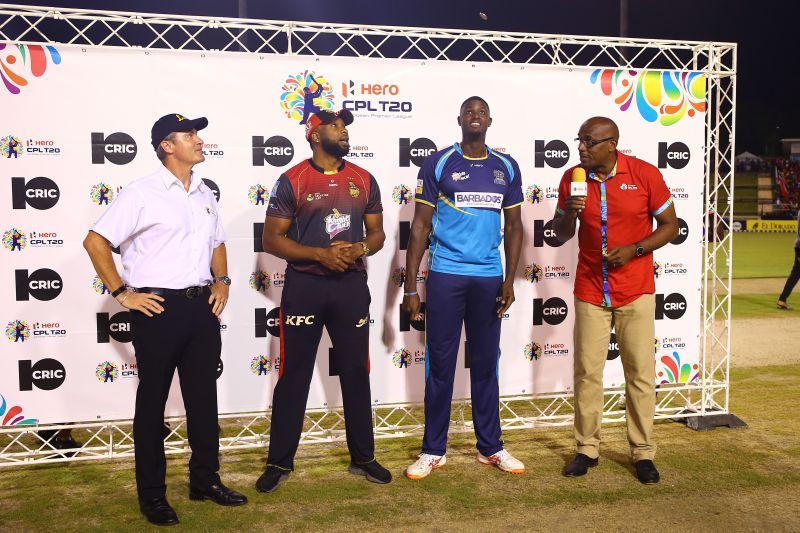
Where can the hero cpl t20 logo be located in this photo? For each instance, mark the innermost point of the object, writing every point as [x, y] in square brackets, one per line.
[304, 94]
[533, 351]
[260, 365]
[15, 239]
[533, 273]
[106, 372]
[402, 195]
[16, 59]
[533, 194]
[259, 280]
[18, 331]
[401, 358]
[10, 146]
[102, 194]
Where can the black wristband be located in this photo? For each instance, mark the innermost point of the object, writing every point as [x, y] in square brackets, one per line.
[119, 291]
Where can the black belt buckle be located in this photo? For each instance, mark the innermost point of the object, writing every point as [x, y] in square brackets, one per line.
[194, 292]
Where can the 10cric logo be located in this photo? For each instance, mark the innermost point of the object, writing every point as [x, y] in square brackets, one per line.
[675, 155]
[543, 233]
[683, 232]
[415, 151]
[118, 148]
[117, 327]
[553, 311]
[553, 153]
[39, 193]
[672, 306]
[43, 284]
[268, 322]
[46, 374]
[277, 151]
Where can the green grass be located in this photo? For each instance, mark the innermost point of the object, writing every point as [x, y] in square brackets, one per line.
[717, 480]
[756, 306]
[761, 255]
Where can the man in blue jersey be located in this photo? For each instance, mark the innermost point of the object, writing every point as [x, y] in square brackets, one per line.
[460, 194]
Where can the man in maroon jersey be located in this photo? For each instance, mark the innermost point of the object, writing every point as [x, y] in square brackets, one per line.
[317, 216]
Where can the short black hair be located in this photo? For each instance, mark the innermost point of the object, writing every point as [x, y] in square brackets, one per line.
[471, 99]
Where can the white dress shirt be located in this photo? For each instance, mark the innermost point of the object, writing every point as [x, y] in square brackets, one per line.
[165, 234]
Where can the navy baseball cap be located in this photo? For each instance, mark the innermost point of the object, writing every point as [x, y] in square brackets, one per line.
[172, 123]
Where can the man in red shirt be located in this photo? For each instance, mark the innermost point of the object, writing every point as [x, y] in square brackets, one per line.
[614, 286]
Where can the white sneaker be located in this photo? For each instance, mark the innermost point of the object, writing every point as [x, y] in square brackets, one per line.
[424, 465]
[504, 461]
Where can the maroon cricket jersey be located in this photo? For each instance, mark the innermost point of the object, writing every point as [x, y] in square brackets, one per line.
[324, 207]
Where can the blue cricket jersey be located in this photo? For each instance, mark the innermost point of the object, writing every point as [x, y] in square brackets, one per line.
[468, 195]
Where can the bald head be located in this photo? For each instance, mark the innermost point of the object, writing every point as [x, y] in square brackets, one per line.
[603, 126]
[598, 147]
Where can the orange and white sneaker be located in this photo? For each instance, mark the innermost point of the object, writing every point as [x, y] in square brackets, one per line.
[504, 461]
[425, 465]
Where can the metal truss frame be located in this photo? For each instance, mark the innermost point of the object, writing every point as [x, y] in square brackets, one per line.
[21, 445]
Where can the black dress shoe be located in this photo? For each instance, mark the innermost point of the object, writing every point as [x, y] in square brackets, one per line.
[158, 511]
[217, 493]
[580, 465]
[646, 472]
[271, 479]
[372, 470]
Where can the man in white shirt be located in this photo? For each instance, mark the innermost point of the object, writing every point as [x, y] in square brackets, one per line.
[169, 231]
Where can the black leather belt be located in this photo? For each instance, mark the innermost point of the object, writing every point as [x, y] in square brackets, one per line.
[188, 292]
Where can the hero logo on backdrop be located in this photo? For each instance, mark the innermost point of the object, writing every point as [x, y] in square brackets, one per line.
[532, 351]
[39, 193]
[304, 94]
[102, 193]
[259, 280]
[544, 234]
[675, 155]
[258, 194]
[365, 104]
[552, 311]
[672, 306]
[45, 374]
[268, 322]
[43, 284]
[117, 327]
[118, 148]
[553, 153]
[15, 239]
[278, 151]
[11, 146]
[415, 151]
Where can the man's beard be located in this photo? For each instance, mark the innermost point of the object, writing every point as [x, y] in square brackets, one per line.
[334, 148]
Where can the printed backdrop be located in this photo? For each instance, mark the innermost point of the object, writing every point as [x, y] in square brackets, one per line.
[75, 130]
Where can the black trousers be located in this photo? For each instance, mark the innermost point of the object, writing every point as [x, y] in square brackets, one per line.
[185, 336]
[341, 304]
[794, 275]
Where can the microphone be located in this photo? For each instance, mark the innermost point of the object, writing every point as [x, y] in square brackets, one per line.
[578, 185]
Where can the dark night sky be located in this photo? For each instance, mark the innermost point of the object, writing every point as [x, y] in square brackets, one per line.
[767, 33]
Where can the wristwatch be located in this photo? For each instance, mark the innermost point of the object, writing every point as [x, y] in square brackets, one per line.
[364, 247]
[639, 249]
[224, 279]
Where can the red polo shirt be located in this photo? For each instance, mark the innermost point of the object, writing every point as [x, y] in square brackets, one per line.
[632, 195]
